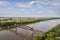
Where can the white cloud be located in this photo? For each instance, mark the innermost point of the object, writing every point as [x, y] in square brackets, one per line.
[4, 3]
[41, 8]
[18, 4]
[24, 5]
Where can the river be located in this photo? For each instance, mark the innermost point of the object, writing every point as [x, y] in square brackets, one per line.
[22, 34]
[44, 25]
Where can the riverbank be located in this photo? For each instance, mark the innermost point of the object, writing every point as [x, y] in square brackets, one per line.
[52, 34]
[46, 25]
[12, 21]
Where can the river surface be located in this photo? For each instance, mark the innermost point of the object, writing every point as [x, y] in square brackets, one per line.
[45, 25]
[22, 34]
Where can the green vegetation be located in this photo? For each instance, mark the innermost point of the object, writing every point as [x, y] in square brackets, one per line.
[21, 20]
[53, 34]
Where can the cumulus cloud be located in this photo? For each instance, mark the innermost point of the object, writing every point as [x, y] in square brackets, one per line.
[54, 5]
[47, 7]
[27, 5]
[18, 4]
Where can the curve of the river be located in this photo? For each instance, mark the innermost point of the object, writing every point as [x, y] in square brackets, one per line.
[45, 25]
[22, 33]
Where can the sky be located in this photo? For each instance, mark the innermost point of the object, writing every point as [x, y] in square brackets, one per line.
[29, 8]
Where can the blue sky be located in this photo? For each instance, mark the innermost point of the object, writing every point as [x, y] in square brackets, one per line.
[29, 8]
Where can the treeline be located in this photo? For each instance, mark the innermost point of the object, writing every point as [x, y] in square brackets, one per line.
[22, 20]
[53, 34]
[12, 21]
